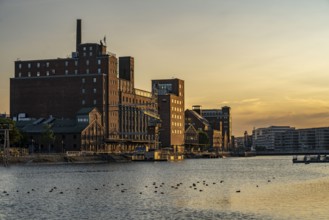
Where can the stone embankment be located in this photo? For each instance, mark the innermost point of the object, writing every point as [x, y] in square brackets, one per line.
[63, 159]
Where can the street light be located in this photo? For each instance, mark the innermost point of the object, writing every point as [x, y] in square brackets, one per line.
[32, 145]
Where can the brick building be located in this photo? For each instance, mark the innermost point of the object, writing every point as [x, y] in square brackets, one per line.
[194, 119]
[219, 119]
[137, 110]
[171, 102]
[60, 87]
[84, 132]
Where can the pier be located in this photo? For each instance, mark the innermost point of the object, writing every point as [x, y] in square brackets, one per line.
[311, 159]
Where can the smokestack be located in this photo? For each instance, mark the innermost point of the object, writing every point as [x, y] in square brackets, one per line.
[78, 34]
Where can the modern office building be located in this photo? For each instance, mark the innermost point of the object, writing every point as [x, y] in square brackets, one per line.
[286, 138]
[170, 99]
[89, 78]
[313, 138]
[269, 138]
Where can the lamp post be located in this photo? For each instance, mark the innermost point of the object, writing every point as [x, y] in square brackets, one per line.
[62, 146]
[32, 146]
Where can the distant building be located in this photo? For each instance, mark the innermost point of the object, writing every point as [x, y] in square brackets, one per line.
[313, 138]
[191, 138]
[269, 138]
[247, 141]
[170, 99]
[219, 119]
[4, 115]
[201, 124]
[286, 138]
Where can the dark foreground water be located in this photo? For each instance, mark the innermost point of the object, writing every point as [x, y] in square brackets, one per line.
[165, 190]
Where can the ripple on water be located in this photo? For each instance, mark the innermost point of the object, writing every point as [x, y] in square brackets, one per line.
[298, 189]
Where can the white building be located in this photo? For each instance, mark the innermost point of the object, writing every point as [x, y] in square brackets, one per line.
[269, 138]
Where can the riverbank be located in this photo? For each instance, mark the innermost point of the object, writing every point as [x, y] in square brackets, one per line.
[63, 159]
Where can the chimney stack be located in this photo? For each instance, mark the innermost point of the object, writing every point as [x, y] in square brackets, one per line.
[78, 34]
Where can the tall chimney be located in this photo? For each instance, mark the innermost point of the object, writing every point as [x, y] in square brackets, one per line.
[78, 34]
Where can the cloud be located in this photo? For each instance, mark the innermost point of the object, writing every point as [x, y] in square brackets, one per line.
[250, 100]
[243, 101]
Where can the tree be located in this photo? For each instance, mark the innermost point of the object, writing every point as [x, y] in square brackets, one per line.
[14, 134]
[203, 138]
[48, 136]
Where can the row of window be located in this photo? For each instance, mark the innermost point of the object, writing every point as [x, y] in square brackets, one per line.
[47, 64]
[176, 101]
[177, 131]
[53, 71]
[176, 109]
[176, 124]
[84, 80]
[83, 120]
[83, 102]
[85, 48]
[83, 91]
[176, 116]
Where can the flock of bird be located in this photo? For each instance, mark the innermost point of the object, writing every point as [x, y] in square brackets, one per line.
[157, 188]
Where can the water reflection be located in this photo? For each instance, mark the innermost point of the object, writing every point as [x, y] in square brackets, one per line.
[199, 189]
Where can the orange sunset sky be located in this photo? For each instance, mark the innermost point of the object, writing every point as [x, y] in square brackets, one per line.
[268, 60]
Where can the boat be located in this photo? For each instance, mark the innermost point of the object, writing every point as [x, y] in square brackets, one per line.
[307, 159]
[153, 155]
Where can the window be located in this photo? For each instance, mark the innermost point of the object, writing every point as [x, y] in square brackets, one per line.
[38, 65]
[83, 102]
[90, 53]
[20, 65]
[90, 48]
[19, 74]
[47, 64]
[84, 48]
[87, 62]
[38, 73]
[66, 72]
[95, 102]
[47, 73]
[99, 62]
[87, 71]
[94, 79]
[83, 91]
[164, 88]
[75, 72]
[83, 80]
[53, 71]
[66, 63]
[76, 63]
[95, 90]
[29, 65]
[99, 70]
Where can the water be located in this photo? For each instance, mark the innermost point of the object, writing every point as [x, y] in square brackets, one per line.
[95, 191]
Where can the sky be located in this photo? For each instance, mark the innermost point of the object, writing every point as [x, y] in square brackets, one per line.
[268, 60]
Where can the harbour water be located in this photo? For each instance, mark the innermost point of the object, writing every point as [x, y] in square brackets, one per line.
[230, 188]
